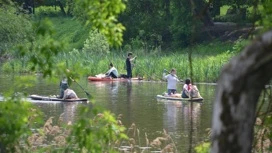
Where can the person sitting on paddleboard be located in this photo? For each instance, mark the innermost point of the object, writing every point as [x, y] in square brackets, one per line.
[172, 81]
[189, 90]
[69, 94]
[63, 86]
[112, 72]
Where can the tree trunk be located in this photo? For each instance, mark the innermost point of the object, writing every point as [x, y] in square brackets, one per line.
[238, 91]
[202, 12]
[215, 8]
[70, 4]
[61, 7]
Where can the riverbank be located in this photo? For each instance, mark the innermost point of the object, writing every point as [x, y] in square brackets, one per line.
[207, 59]
[83, 58]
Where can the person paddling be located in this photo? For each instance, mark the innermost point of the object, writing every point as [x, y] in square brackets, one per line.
[172, 81]
[63, 86]
[129, 65]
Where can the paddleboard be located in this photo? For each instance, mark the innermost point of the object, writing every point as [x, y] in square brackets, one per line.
[48, 98]
[178, 98]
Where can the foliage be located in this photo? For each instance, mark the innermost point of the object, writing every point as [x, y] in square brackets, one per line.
[41, 52]
[150, 20]
[203, 147]
[181, 28]
[103, 16]
[48, 11]
[239, 45]
[99, 134]
[40, 2]
[14, 29]
[106, 130]
[263, 134]
[266, 14]
[160, 23]
[207, 63]
[16, 118]
[15, 66]
[237, 3]
[263, 123]
[96, 44]
[71, 31]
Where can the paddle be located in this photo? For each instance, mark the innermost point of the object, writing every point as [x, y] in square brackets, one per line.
[88, 95]
[174, 75]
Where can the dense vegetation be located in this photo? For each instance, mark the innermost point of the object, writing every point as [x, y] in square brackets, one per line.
[93, 48]
[163, 34]
[158, 30]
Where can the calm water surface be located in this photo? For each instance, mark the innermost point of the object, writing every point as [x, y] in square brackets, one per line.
[186, 122]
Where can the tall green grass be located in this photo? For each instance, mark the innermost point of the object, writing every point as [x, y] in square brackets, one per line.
[208, 59]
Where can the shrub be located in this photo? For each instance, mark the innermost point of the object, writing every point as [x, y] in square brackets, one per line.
[47, 11]
[96, 44]
[15, 30]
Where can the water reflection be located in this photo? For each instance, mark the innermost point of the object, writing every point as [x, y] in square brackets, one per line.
[69, 112]
[180, 120]
[106, 87]
[129, 99]
[61, 111]
[177, 114]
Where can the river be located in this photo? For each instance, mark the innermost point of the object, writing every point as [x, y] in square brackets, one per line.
[186, 122]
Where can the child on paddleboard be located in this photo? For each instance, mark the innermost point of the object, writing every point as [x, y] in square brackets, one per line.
[189, 90]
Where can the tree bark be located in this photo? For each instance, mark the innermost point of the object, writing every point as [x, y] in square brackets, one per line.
[202, 12]
[239, 87]
[61, 7]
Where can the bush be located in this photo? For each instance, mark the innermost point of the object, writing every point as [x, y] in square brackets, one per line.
[47, 11]
[14, 29]
[16, 118]
[96, 44]
[203, 147]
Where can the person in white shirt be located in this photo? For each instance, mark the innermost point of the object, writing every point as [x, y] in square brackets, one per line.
[112, 72]
[70, 94]
[172, 81]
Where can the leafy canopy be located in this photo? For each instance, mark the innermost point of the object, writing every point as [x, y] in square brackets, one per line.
[103, 16]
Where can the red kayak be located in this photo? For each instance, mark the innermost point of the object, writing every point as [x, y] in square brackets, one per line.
[93, 78]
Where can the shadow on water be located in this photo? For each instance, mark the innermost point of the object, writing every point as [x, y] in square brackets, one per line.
[186, 122]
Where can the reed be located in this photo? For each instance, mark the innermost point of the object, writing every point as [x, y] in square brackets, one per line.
[207, 63]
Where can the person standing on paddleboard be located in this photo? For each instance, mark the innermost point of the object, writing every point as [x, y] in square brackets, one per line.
[172, 81]
[129, 65]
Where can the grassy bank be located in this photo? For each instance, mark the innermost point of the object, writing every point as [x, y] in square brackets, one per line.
[208, 60]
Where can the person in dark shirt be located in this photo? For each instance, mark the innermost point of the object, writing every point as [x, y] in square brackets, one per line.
[129, 65]
[63, 86]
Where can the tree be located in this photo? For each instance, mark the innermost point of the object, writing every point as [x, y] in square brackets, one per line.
[147, 21]
[102, 15]
[239, 88]
[164, 21]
